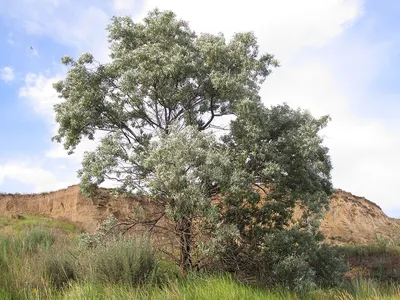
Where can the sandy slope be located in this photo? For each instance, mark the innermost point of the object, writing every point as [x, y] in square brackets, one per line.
[351, 219]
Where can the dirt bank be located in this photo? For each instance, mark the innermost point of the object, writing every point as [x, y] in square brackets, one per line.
[350, 220]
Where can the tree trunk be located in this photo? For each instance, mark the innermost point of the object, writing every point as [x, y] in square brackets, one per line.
[185, 240]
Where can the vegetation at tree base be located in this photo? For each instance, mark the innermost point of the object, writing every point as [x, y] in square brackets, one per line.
[293, 259]
[155, 106]
[61, 267]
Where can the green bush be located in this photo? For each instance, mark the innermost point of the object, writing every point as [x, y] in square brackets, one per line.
[291, 258]
[312, 262]
[329, 265]
[60, 269]
[105, 231]
[294, 271]
[127, 261]
[37, 238]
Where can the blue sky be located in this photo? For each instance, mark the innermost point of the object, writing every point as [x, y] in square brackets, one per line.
[339, 57]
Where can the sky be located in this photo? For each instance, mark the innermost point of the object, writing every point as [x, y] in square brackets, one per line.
[338, 57]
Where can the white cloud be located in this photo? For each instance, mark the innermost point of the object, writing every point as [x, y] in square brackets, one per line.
[7, 74]
[365, 158]
[363, 151]
[36, 176]
[123, 5]
[310, 85]
[283, 27]
[57, 150]
[41, 95]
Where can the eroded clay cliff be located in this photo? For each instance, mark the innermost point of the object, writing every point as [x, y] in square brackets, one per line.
[350, 220]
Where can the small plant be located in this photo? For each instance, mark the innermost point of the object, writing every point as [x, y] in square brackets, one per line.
[103, 230]
[294, 271]
[17, 217]
[61, 269]
[37, 238]
[127, 261]
[382, 242]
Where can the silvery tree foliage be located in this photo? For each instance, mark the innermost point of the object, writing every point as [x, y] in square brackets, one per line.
[188, 168]
[164, 87]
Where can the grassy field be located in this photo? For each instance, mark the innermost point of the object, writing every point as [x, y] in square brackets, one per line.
[42, 259]
[27, 222]
[202, 288]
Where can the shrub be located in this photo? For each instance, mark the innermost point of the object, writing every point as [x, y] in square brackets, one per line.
[37, 238]
[294, 271]
[329, 265]
[292, 258]
[60, 268]
[125, 261]
[309, 259]
[105, 231]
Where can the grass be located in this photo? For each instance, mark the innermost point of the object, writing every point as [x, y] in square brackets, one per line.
[201, 288]
[41, 259]
[370, 250]
[192, 288]
[25, 244]
[204, 288]
[28, 222]
[381, 262]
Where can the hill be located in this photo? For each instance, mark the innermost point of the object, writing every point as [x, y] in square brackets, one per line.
[356, 220]
[350, 220]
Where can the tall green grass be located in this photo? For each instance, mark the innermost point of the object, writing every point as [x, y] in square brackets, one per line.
[195, 287]
[205, 288]
[39, 262]
[20, 257]
[127, 261]
[28, 222]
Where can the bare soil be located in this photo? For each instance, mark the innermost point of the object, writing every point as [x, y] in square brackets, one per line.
[350, 220]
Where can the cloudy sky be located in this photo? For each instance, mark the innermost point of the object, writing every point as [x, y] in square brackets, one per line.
[338, 57]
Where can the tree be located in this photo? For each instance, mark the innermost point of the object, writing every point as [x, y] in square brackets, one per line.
[283, 164]
[283, 161]
[185, 165]
[155, 104]
[161, 76]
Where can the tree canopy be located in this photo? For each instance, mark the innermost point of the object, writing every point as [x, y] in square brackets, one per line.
[161, 72]
[155, 104]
